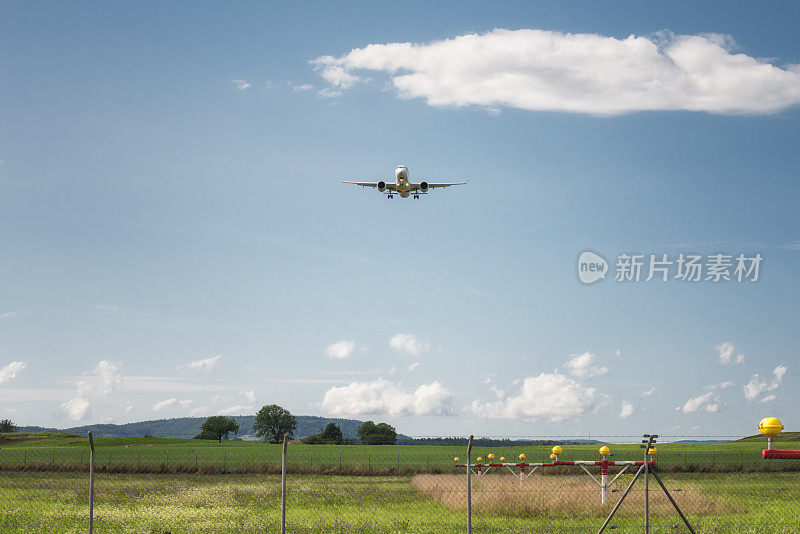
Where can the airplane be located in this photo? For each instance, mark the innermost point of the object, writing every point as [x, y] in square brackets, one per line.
[402, 185]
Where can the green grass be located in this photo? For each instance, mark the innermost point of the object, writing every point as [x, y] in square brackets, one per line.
[58, 502]
[156, 454]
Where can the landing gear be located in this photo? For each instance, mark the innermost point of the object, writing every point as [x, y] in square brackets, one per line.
[416, 196]
[389, 196]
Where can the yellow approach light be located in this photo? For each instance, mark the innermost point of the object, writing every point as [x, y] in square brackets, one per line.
[604, 451]
[557, 450]
[456, 459]
[770, 427]
[652, 451]
[522, 457]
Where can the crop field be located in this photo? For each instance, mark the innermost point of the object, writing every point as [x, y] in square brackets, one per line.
[425, 503]
[156, 454]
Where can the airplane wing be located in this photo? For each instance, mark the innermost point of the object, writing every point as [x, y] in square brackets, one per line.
[434, 185]
[389, 185]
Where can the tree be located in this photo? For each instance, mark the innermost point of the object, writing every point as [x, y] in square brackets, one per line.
[381, 434]
[272, 422]
[6, 425]
[332, 434]
[218, 427]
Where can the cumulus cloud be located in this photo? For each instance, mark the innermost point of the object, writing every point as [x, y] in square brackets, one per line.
[725, 354]
[758, 385]
[649, 393]
[341, 349]
[236, 409]
[76, 408]
[100, 382]
[408, 344]
[384, 397]
[185, 403]
[8, 315]
[550, 396]
[204, 365]
[249, 395]
[579, 73]
[626, 410]
[707, 402]
[241, 84]
[582, 366]
[10, 371]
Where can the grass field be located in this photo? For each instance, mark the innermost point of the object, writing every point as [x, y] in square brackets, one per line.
[156, 454]
[156, 503]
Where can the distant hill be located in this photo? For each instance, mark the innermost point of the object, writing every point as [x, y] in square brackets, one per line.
[784, 436]
[189, 427]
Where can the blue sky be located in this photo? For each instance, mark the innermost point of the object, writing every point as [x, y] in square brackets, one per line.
[170, 193]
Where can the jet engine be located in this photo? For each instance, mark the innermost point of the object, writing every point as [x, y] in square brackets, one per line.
[423, 186]
[381, 186]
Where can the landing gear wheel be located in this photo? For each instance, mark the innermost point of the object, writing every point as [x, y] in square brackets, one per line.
[416, 196]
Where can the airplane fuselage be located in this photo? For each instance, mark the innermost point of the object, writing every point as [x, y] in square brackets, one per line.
[401, 177]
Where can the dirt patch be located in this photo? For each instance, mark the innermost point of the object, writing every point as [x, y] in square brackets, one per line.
[562, 496]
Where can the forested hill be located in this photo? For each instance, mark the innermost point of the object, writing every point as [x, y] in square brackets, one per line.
[189, 427]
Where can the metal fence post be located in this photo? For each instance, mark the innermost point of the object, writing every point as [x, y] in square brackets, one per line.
[283, 484]
[469, 486]
[91, 482]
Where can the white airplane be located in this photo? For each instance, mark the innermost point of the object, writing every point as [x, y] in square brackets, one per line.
[402, 185]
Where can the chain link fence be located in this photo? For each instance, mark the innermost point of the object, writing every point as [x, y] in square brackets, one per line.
[389, 489]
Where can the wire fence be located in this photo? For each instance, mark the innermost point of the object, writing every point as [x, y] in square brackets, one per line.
[163, 493]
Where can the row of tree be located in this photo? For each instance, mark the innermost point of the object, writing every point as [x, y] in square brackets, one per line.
[273, 421]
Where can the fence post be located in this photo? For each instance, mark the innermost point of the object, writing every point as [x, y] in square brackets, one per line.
[283, 484]
[91, 482]
[469, 486]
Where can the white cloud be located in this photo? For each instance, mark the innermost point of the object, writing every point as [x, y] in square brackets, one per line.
[582, 366]
[129, 408]
[164, 404]
[241, 84]
[236, 409]
[76, 408]
[758, 385]
[408, 344]
[341, 349]
[249, 395]
[101, 381]
[413, 366]
[302, 87]
[768, 398]
[649, 393]
[204, 365]
[8, 315]
[626, 410]
[708, 402]
[726, 385]
[579, 73]
[10, 371]
[327, 92]
[551, 396]
[384, 397]
[725, 354]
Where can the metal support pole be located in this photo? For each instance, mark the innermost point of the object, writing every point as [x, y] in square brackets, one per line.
[91, 482]
[646, 494]
[614, 511]
[673, 503]
[469, 486]
[603, 487]
[283, 484]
